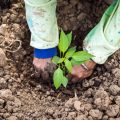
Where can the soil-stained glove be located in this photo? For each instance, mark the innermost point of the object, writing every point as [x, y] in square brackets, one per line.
[42, 21]
[104, 39]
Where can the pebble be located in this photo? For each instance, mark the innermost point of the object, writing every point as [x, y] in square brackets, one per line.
[116, 72]
[114, 89]
[48, 93]
[113, 110]
[69, 103]
[2, 81]
[50, 111]
[105, 117]
[77, 105]
[96, 114]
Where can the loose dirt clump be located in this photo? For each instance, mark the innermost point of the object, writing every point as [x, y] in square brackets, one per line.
[96, 114]
[102, 99]
[113, 110]
[114, 89]
[24, 97]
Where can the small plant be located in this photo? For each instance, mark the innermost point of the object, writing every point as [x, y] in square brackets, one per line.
[68, 57]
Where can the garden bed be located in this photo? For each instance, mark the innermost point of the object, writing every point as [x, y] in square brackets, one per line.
[24, 97]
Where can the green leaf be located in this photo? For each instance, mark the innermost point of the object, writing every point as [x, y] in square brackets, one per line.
[65, 81]
[68, 65]
[76, 62]
[61, 60]
[69, 36]
[55, 59]
[64, 42]
[70, 52]
[57, 77]
[82, 56]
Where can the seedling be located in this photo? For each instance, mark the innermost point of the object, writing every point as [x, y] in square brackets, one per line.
[68, 57]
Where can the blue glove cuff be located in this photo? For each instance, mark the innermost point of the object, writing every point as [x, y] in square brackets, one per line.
[45, 53]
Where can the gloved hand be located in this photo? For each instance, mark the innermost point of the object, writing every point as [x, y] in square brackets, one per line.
[41, 64]
[44, 67]
[80, 72]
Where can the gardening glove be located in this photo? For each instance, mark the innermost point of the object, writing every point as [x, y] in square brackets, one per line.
[41, 18]
[42, 57]
[104, 39]
[101, 42]
[43, 64]
[80, 72]
[40, 65]
[44, 69]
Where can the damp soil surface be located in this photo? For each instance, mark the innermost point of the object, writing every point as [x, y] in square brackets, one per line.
[24, 97]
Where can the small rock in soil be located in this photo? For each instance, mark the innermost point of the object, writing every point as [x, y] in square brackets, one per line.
[102, 99]
[88, 106]
[69, 103]
[116, 72]
[77, 105]
[114, 89]
[50, 111]
[105, 117]
[96, 114]
[113, 110]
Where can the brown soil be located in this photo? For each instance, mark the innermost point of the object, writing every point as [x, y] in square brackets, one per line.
[24, 97]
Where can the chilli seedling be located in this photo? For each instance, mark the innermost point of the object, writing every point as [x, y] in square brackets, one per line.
[67, 58]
